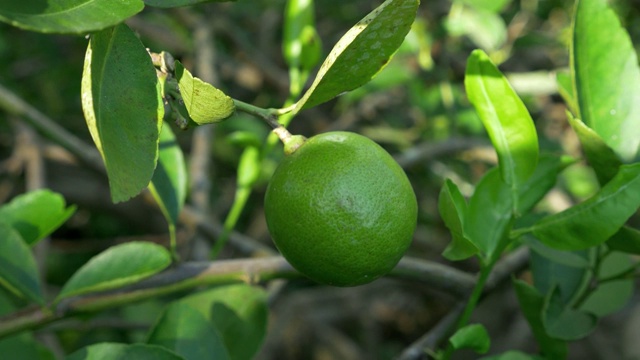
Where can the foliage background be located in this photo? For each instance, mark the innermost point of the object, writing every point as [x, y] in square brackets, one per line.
[415, 108]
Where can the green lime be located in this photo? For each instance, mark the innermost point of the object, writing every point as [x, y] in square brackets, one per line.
[340, 209]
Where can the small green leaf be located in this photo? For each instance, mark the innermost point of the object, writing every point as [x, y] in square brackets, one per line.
[123, 108]
[485, 28]
[205, 104]
[513, 355]
[115, 351]
[239, 312]
[452, 207]
[117, 266]
[18, 271]
[505, 117]
[594, 221]
[489, 214]
[169, 182]
[36, 214]
[627, 239]
[489, 5]
[611, 296]
[179, 3]
[601, 157]
[541, 181]
[473, 336]
[67, 16]
[188, 333]
[564, 323]
[532, 304]
[605, 71]
[299, 38]
[361, 52]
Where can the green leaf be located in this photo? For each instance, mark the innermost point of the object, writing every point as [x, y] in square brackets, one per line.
[513, 355]
[239, 312]
[473, 336]
[489, 214]
[452, 207]
[489, 5]
[541, 181]
[605, 70]
[362, 52]
[485, 28]
[505, 117]
[548, 273]
[532, 303]
[188, 333]
[67, 16]
[559, 257]
[300, 40]
[169, 181]
[611, 296]
[115, 351]
[564, 323]
[117, 266]
[123, 108]
[601, 157]
[36, 214]
[179, 3]
[18, 271]
[627, 239]
[565, 88]
[594, 221]
[205, 104]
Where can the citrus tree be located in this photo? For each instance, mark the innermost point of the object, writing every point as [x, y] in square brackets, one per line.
[340, 209]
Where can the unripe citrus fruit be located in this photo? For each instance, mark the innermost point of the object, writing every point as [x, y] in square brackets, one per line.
[340, 209]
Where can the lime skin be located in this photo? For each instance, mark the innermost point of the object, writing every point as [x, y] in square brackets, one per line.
[340, 209]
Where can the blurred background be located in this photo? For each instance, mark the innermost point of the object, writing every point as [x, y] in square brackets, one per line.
[415, 108]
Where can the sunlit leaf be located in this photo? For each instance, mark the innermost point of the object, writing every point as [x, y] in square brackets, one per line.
[205, 104]
[123, 108]
[600, 156]
[115, 351]
[485, 28]
[67, 16]
[605, 70]
[361, 52]
[506, 119]
[117, 266]
[36, 214]
[595, 220]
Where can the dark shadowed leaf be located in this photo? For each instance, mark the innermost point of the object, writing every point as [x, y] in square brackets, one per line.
[123, 108]
[239, 312]
[532, 304]
[169, 181]
[67, 16]
[452, 207]
[188, 333]
[611, 296]
[564, 323]
[627, 239]
[594, 221]
[18, 271]
[361, 52]
[117, 266]
[606, 77]
[178, 3]
[36, 214]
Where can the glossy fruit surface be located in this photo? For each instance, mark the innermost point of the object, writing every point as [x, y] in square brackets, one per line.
[340, 209]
